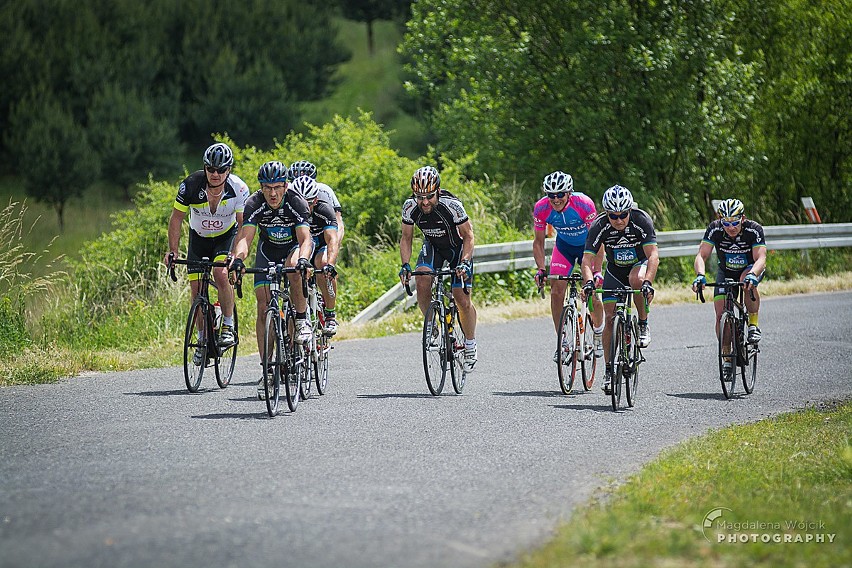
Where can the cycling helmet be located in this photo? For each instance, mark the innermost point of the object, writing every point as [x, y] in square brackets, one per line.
[306, 186]
[272, 172]
[425, 180]
[557, 182]
[219, 155]
[617, 199]
[302, 168]
[731, 208]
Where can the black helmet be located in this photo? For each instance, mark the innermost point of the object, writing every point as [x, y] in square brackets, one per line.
[272, 172]
[219, 155]
[302, 168]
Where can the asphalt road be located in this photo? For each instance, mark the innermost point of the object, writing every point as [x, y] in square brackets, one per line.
[128, 469]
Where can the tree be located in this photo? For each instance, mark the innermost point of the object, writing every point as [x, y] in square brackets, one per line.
[369, 11]
[53, 153]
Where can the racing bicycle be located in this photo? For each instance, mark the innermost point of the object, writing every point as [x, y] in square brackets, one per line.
[201, 347]
[735, 352]
[575, 340]
[443, 337]
[625, 352]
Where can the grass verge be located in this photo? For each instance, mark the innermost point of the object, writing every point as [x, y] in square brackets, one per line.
[785, 479]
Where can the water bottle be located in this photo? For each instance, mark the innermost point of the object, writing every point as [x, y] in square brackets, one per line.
[217, 316]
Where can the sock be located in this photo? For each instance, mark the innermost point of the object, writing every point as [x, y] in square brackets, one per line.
[301, 316]
[229, 321]
[752, 319]
[643, 322]
[598, 330]
[328, 314]
[470, 342]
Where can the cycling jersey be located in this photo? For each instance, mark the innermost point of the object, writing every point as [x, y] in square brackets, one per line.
[440, 226]
[277, 226]
[571, 224]
[624, 249]
[322, 219]
[326, 192]
[192, 198]
[734, 253]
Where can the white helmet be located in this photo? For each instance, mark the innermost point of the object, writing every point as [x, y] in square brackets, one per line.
[731, 208]
[306, 186]
[558, 182]
[617, 199]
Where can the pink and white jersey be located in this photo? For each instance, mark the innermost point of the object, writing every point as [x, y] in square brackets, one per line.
[572, 223]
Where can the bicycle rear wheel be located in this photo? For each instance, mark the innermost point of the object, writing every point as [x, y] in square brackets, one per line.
[434, 348]
[727, 353]
[319, 365]
[228, 357]
[590, 361]
[748, 372]
[618, 355]
[307, 379]
[195, 341]
[272, 362]
[455, 352]
[566, 336]
[634, 355]
[293, 358]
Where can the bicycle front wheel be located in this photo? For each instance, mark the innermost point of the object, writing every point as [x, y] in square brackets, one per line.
[631, 380]
[565, 349]
[293, 361]
[748, 371]
[195, 344]
[319, 365]
[228, 357]
[272, 362]
[590, 361]
[434, 348]
[618, 355]
[455, 352]
[307, 379]
[727, 353]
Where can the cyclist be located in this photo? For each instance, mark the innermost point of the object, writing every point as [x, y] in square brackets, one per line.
[627, 235]
[215, 200]
[326, 244]
[741, 250]
[306, 168]
[283, 219]
[571, 214]
[448, 237]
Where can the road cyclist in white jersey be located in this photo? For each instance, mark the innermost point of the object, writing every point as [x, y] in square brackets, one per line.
[215, 199]
[448, 238]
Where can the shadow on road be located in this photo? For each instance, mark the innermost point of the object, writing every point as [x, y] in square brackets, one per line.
[170, 393]
[232, 415]
[593, 407]
[699, 395]
[397, 395]
[529, 393]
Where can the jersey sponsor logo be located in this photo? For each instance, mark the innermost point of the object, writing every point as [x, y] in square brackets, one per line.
[736, 261]
[212, 224]
[182, 189]
[280, 234]
[434, 232]
[624, 242]
[625, 257]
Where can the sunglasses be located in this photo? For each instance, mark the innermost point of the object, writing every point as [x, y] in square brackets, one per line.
[212, 170]
[730, 223]
[615, 216]
[426, 197]
[557, 195]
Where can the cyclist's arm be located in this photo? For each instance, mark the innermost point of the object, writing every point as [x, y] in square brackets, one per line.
[538, 250]
[175, 222]
[589, 261]
[700, 264]
[405, 242]
[332, 241]
[339, 226]
[243, 241]
[759, 265]
[303, 236]
[653, 255]
[466, 232]
[239, 215]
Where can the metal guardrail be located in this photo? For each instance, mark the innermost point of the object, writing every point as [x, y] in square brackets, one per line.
[517, 255]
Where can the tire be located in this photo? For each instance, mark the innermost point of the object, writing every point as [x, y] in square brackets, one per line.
[192, 373]
[566, 335]
[749, 371]
[617, 357]
[227, 359]
[434, 358]
[293, 359]
[631, 381]
[319, 365]
[456, 353]
[590, 362]
[727, 342]
[272, 362]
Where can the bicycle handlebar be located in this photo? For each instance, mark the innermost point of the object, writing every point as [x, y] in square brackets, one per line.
[203, 263]
[617, 292]
[729, 283]
[441, 272]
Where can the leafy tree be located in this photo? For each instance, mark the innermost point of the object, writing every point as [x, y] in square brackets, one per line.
[369, 11]
[55, 158]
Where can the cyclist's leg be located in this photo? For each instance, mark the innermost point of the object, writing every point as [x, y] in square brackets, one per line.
[559, 266]
[637, 275]
[197, 248]
[222, 247]
[296, 294]
[467, 311]
[262, 257]
[753, 306]
[319, 260]
[426, 261]
[719, 298]
[611, 281]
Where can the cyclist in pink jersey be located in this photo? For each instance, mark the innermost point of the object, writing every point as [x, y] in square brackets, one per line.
[570, 214]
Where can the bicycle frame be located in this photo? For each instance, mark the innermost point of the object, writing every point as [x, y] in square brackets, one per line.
[574, 338]
[625, 352]
[447, 353]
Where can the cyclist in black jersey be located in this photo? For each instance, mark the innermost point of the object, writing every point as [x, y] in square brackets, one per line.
[282, 218]
[306, 168]
[741, 250]
[215, 200]
[448, 237]
[324, 232]
[629, 240]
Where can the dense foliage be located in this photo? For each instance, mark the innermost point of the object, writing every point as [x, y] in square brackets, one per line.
[125, 85]
[681, 102]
